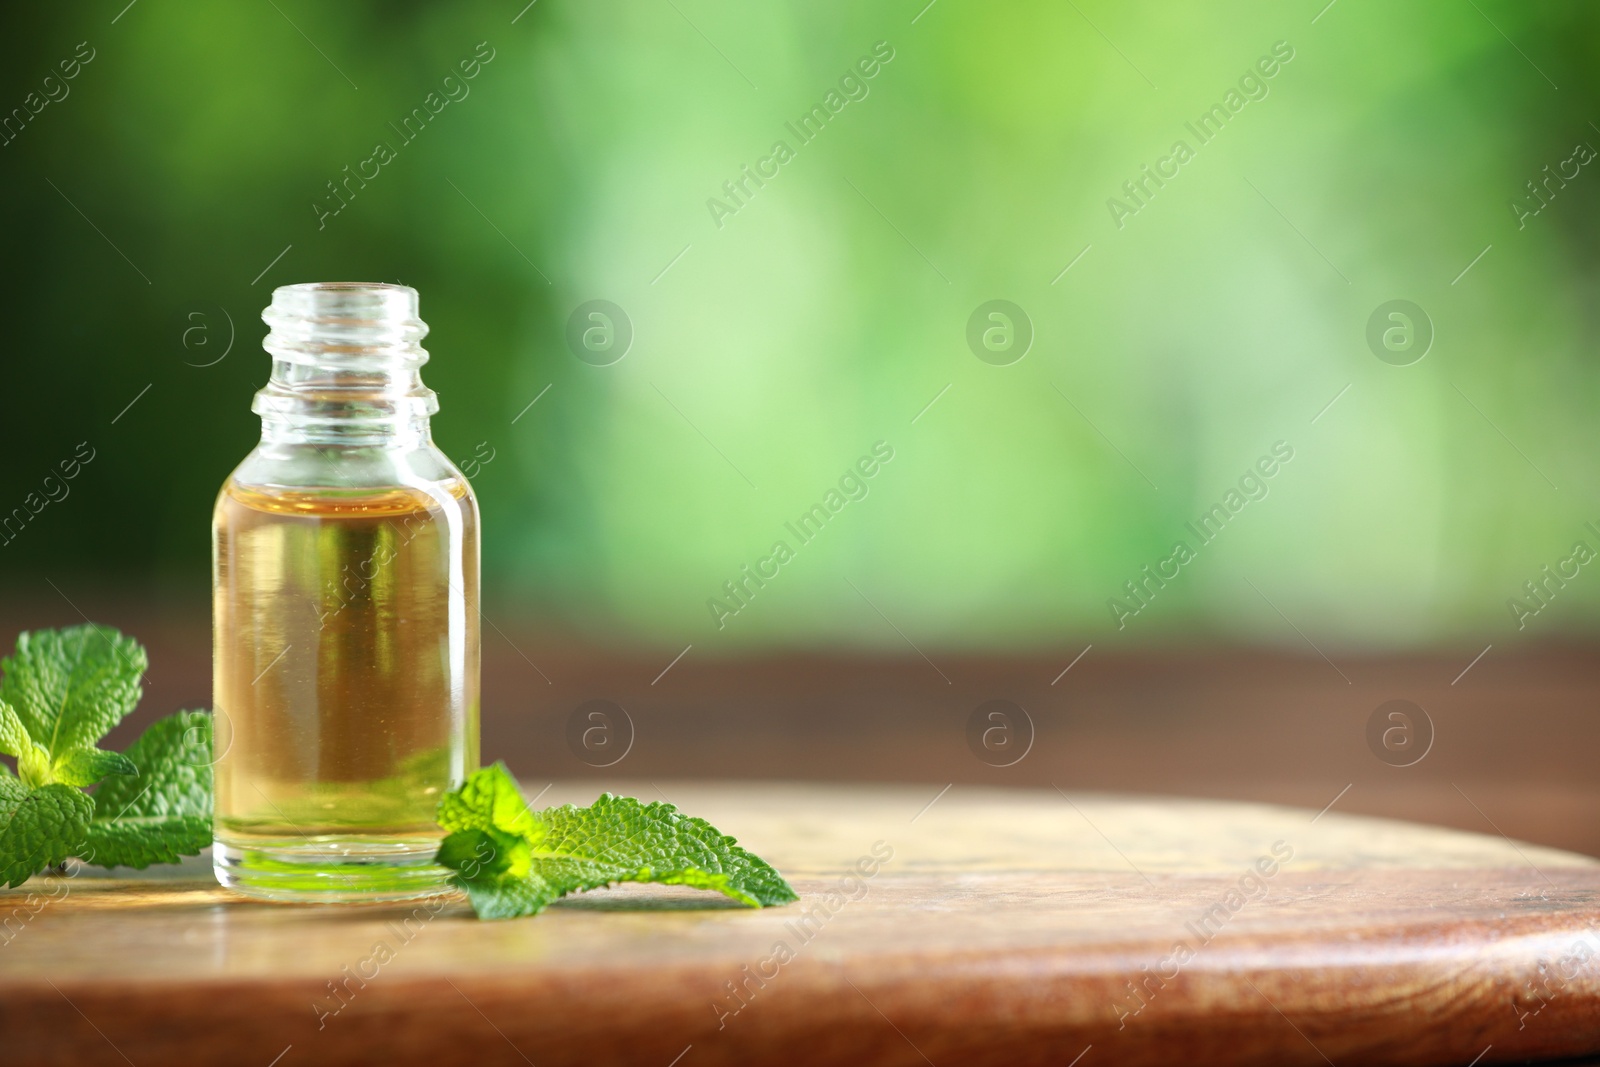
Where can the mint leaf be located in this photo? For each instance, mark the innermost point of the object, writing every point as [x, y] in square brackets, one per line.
[33, 762]
[39, 827]
[63, 690]
[488, 800]
[512, 862]
[587, 847]
[86, 766]
[507, 897]
[164, 811]
[14, 739]
[70, 687]
[480, 853]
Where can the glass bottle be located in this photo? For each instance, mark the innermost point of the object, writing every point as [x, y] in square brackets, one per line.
[345, 612]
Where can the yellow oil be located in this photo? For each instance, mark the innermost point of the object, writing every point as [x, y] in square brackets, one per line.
[346, 684]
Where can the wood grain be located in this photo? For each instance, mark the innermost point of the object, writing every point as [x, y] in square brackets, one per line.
[1007, 927]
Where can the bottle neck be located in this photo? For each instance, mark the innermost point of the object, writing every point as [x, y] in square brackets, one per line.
[346, 370]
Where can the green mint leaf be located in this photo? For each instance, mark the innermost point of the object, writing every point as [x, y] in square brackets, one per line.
[33, 762]
[493, 868]
[486, 853]
[488, 800]
[39, 827]
[34, 766]
[86, 766]
[70, 687]
[513, 862]
[164, 811]
[507, 897]
[139, 841]
[14, 739]
[622, 839]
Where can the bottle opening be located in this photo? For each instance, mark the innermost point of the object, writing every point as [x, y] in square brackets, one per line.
[354, 319]
[373, 302]
[346, 362]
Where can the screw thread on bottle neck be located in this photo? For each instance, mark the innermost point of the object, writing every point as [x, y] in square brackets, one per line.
[347, 359]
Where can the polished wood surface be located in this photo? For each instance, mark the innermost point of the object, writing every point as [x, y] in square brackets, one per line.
[997, 927]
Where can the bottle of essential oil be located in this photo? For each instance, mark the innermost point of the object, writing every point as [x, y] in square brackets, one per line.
[345, 586]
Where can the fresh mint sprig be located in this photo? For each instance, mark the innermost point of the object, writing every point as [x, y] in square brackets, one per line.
[165, 811]
[511, 861]
[62, 692]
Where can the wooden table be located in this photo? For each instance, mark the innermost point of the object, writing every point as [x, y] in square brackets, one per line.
[1005, 927]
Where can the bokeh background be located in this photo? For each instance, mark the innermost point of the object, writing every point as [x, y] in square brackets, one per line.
[150, 202]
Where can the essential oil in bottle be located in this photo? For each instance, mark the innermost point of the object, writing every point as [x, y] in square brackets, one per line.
[345, 552]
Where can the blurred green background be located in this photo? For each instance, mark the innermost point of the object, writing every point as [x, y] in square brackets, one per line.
[149, 209]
